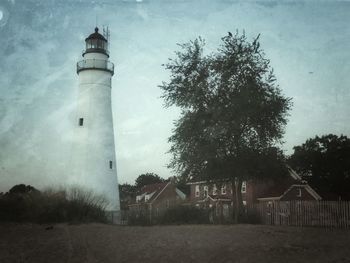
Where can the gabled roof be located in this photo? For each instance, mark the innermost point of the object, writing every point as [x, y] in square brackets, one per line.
[151, 192]
[150, 188]
[218, 197]
[209, 181]
[180, 193]
[307, 188]
[276, 190]
[279, 187]
[292, 174]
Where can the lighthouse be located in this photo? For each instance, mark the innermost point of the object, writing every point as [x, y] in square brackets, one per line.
[94, 162]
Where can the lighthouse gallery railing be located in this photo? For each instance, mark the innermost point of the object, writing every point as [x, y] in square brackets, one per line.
[100, 64]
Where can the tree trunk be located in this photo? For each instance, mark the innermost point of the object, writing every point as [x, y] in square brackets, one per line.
[236, 199]
[239, 199]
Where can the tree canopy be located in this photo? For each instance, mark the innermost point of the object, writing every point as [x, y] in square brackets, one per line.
[325, 163]
[126, 190]
[147, 178]
[233, 112]
[22, 189]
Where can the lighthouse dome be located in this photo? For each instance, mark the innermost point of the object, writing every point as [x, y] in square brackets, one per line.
[96, 43]
[96, 35]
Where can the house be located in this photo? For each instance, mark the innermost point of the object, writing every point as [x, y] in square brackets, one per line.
[219, 194]
[204, 192]
[216, 196]
[291, 188]
[154, 199]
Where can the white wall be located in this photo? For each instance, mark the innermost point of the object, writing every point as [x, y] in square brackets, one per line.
[94, 145]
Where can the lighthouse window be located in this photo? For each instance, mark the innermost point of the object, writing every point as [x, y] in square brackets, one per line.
[81, 121]
[110, 165]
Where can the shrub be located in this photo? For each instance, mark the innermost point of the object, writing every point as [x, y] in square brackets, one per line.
[139, 220]
[252, 217]
[26, 204]
[185, 215]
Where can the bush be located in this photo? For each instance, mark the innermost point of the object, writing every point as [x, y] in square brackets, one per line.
[185, 215]
[139, 220]
[26, 204]
[252, 217]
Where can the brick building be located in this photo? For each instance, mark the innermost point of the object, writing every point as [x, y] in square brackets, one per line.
[218, 195]
[154, 199]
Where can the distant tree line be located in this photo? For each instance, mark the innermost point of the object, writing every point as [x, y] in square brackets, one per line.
[324, 161]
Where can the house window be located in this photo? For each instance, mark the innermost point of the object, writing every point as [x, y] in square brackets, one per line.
[110, 165]
[215, 190]
[81, 121]
[205, 191]
[244, 187]
[197, 191]
[223, 189]
[298, 192]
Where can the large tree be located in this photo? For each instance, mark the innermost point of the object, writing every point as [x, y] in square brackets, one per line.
[325, 163]
[233, 112]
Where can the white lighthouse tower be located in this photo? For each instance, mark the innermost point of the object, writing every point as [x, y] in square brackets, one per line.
[94, 161]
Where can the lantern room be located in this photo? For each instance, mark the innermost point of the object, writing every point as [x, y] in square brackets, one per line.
[96, 43]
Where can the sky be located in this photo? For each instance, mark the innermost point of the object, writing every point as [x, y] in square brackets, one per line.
[41, 41]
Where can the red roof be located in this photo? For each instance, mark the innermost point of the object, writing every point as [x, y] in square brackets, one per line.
[153, 189]
[276, 188]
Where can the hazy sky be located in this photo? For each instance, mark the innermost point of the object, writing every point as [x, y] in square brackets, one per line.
[41, 41]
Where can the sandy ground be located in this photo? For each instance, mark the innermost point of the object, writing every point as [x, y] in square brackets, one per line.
[190, 243]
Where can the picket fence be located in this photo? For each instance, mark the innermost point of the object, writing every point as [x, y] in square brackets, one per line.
[331, 214]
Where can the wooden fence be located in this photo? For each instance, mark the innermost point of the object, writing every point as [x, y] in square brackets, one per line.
[333, 214]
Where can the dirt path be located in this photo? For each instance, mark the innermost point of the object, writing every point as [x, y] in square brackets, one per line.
[104, 243]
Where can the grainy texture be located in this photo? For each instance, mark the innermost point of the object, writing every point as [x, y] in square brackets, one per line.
[190, 243]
